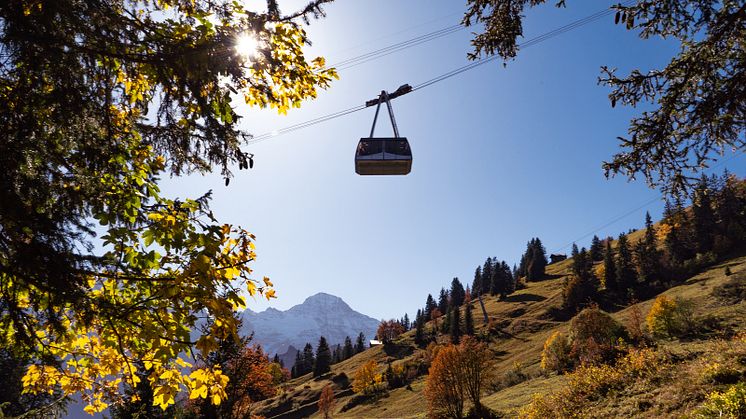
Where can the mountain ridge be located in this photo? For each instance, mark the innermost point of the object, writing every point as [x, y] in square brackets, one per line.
[321, 314]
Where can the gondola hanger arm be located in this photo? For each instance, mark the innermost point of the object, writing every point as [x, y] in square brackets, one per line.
[401, 91]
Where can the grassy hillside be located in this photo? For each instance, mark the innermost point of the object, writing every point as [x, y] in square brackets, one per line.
[518, 328]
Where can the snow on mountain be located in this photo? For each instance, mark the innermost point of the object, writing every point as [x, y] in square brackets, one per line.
[319, 315]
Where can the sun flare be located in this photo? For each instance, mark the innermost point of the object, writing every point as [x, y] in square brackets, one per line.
[246, 46]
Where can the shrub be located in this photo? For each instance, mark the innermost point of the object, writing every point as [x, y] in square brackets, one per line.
[670, 318]
[515, 375]
[729, 404]
[395, 375]
[556, 353]
[595, 336]
[366, 380]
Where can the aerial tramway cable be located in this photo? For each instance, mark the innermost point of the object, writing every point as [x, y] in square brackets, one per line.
[534, 41]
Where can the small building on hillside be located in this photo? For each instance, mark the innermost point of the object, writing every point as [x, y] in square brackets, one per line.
[554, 258]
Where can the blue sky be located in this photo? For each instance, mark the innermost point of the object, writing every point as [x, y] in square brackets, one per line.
[501, 154]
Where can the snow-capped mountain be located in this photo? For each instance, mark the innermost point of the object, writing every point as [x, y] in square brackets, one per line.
[319, 315]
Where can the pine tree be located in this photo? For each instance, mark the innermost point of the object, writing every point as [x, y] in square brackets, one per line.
[457, 293]
[574, 252]
[477, 288]
[276, 359]
[446, 325]
[443, 301]
[581, 289]
[405, 322]
[537, 260]
[419, 334]
[487, 273]
[625, 273]
[322, 363]
[308, 359]
[360, 343]
[297, 366]
[348, 351]
[597, 249]
[609, 267]
[468, 320]
[455, 326]
[646, 252]
[429, 306]
[703, 217]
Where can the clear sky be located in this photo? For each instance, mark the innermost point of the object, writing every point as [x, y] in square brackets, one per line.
[501, 154]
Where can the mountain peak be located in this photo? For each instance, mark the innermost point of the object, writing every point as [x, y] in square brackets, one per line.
[325, 298]
[321, 314]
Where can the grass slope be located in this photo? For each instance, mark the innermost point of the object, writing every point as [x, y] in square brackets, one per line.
[520, 324]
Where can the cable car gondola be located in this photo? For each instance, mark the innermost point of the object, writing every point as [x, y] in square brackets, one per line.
[384, 155]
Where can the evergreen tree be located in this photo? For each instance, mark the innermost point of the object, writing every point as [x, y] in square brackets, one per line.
[646, 252]
[360, 343]
[609, 267]
[429, 306]
[468, 320]
[537, 260]
[348, 351]
[419, 324]
[477, 288]
[308, 360]
[323, 359]
[597, 249]
[574, 252]
[276, 359]
[730, 216]
[457, 293]
[582, 287]
[297, 366]
[625, 272]
[446, 325]
[443, 301]
[455, 326]
[487, 273]
[703, 217]
[406, 323]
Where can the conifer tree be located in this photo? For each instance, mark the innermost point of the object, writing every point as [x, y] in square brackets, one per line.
[405, 322]
[468, 320]
[457, 293]
[537, 260]
[455, 325]
[348, 350]
[581, 288]
[646, 252]
[703, 217]
[446, 325]
[429, 306]
[476, 286]
[443, 303]
[308, 359]
[419, 334]
[297, 366]
[597, 249]
[360, 343]
[609, 267]
[574, 252]
[625, 272]
[487, 273]
[323, 361]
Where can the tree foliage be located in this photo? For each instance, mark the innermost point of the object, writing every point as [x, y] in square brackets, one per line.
[697, 98]
[96, 101]
[458, 373]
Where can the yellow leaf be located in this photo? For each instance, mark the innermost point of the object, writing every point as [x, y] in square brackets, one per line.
[267, 282]
[251, 288]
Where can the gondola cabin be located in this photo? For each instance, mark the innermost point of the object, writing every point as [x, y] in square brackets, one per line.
[383, 156]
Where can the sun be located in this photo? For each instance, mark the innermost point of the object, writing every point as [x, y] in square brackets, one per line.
[246, 45]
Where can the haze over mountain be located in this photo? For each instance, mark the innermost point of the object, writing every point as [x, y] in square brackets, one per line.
[319, 315]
